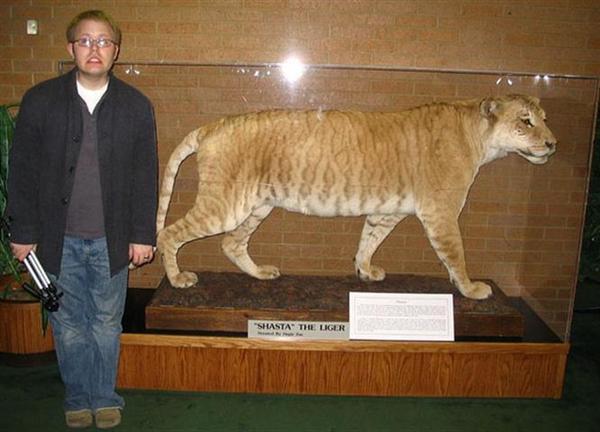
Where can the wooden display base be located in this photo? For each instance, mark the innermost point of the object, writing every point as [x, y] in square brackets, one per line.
[226, 301]
[241, 365]
[362, 368]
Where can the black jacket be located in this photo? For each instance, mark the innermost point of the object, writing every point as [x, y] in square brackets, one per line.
[42, 167]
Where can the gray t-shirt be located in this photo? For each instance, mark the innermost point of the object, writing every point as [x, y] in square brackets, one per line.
[85, 218]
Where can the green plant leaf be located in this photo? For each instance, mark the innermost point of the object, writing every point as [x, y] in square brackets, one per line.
[8, 263]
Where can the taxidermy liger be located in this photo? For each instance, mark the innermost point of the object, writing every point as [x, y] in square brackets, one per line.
[386, 166]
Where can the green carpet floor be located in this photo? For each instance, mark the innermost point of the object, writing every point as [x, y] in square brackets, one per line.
[30, 400]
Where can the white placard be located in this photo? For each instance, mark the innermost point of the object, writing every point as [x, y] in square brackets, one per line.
[399, 316]
[269, 329]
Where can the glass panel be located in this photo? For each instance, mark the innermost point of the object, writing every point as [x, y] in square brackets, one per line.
[521, 223]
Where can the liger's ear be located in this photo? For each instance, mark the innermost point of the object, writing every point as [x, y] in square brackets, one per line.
[488, 107]
[534, 99]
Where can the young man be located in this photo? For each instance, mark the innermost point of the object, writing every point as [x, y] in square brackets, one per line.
[83, 192]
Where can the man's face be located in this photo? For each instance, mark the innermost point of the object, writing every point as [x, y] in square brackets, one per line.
[93, 62]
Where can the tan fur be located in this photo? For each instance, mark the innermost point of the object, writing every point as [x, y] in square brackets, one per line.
[330, 163]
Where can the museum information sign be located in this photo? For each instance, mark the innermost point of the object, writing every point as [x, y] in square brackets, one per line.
[269, 329]
[399, 316]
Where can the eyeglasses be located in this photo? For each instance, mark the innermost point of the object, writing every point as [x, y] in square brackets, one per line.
[88, 42]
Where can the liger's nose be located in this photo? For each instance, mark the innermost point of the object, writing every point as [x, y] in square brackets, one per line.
[551, 145]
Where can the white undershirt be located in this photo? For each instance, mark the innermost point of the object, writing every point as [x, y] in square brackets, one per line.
[91, 97]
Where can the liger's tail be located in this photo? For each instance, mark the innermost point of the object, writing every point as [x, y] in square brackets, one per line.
[188, 146]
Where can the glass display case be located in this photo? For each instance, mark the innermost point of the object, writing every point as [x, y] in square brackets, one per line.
[521, 224]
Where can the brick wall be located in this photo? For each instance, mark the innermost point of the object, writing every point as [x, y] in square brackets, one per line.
[550, 36]
[521, 223]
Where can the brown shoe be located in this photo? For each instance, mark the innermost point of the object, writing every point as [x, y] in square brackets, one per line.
[107, 418]
[79, 419]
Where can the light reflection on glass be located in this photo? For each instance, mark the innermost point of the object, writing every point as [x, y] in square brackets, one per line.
[506, 78]
[292, 69]
[132, 70]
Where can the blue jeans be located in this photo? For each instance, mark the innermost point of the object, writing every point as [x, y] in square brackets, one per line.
[87, 326]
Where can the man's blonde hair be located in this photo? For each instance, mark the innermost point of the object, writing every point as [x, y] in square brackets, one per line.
[94, 15]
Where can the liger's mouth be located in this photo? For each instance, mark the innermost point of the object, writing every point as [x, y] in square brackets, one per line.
[533, 158]
[525, 153]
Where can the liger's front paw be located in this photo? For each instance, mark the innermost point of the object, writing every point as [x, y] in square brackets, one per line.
[375, 274]
[478, 291]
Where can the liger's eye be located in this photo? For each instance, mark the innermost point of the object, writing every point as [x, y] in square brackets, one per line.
[527, 122]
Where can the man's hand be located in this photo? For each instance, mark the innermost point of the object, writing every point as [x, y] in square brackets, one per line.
[140, 254]
[20, 251]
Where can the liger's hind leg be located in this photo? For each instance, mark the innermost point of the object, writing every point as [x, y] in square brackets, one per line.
[235, 246]
[375, 230]
[194, 225]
